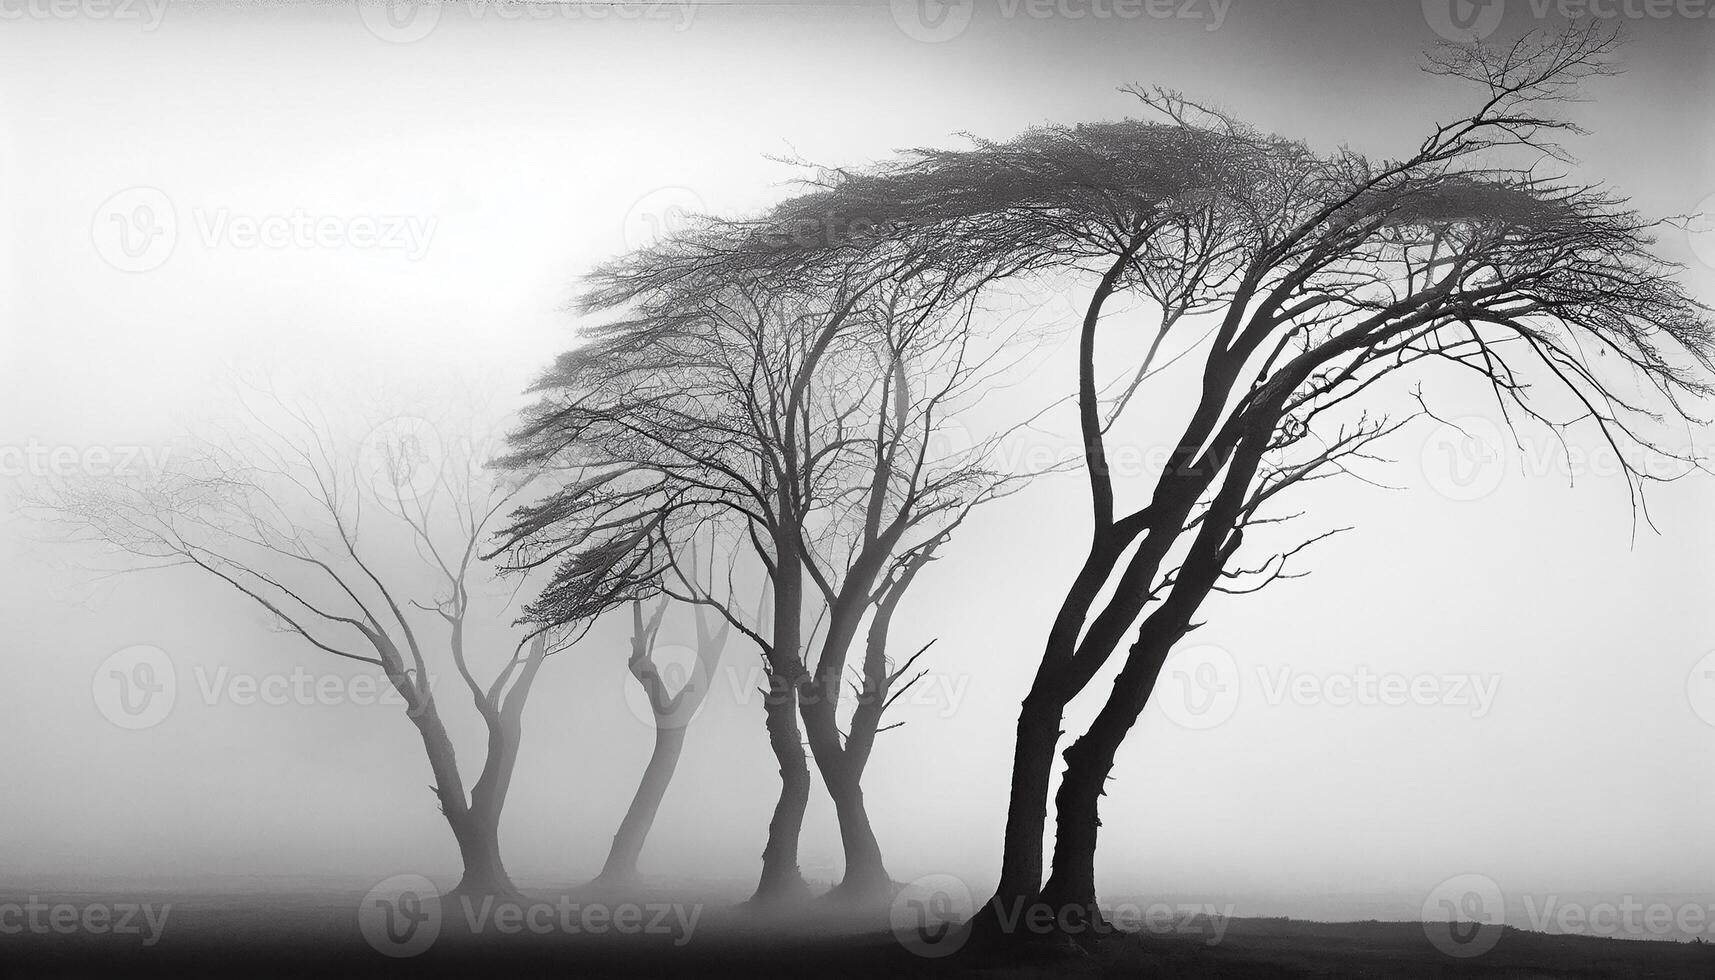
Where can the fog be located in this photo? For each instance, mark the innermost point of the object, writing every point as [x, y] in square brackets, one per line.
[1564, 749]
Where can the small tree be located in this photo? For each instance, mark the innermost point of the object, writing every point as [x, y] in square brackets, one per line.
[671, 712]
[274, 514]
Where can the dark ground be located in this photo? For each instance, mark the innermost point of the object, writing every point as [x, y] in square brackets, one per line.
[305, 936]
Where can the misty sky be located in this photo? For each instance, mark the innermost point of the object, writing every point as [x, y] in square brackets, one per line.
[510, 154]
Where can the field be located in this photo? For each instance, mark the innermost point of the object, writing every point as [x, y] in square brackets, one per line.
[306, 935]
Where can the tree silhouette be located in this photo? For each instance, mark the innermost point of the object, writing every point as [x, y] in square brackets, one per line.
[799, 412]
[1297, 283]
[671, 711]
[274, 513]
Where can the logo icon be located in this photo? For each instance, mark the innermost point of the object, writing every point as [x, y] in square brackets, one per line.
[135, 230]
[1466, 459]
[661, 214]
[928, 915]
[1199, 687]
[135, 687]
[1042, 305]
[401, 916]
[400, 21]
[1700, 231]
[933, 21]
[1464, 916]
[1700, 688]
[401, 458]
[680, 672]
[1464, 21]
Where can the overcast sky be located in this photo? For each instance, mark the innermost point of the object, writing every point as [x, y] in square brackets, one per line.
[496, 158]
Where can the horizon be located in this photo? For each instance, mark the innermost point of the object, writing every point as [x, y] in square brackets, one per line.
[1560, 747]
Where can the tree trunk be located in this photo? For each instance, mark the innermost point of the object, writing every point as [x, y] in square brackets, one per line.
[865, 879]
[1071, 887]
[620, 870]
[1070, 891]
[782, 883]
[475, 822]
[479, 845]
[1026, 818]
[475, 830]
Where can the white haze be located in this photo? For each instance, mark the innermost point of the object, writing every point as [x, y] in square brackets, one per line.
[528, 143]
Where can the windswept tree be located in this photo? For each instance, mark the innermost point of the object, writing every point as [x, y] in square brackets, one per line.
[671, 710]
[1308, 291]
[1333, 274]
[803, 411]
[363, 550]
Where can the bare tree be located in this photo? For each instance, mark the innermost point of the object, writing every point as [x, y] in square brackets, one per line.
[801, 409]
[672, 712]
[274, 514]
[1297, 283]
